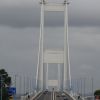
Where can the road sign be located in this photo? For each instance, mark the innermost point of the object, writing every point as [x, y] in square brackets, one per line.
[11, 90]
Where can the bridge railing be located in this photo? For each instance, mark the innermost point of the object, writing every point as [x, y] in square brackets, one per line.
[89, 98]
[31, 95]
[36, 95]
[70, 95]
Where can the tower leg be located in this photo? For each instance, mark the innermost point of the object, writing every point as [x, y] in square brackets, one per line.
[66, 58]
[40, 62]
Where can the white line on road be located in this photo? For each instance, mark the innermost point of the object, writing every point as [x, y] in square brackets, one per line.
[39, 96]
[53, 96]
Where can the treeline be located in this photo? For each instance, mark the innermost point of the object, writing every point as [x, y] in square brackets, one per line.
[5, 82]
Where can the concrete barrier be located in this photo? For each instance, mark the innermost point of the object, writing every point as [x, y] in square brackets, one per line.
[69, 95]
[32, 94]
[32, 98]
[24, 98]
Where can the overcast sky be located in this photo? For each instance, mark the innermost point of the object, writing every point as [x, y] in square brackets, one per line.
[19, 33]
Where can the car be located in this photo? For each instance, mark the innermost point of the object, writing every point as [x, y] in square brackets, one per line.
[65, 98]
[63, 94]
[46, 90]
[11, 98]
[57, 95]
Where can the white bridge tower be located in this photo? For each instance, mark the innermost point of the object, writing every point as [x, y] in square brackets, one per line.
[53, 56]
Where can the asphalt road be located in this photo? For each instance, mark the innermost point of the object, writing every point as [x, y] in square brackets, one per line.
[62, 96]
[53, 96]
[44, 96]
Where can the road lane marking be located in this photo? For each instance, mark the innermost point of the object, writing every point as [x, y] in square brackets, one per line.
[53, 98]
[39, 96]
[46, 95]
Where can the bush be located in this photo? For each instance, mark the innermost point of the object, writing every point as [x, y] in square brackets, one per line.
[5, 81]
[97, 92]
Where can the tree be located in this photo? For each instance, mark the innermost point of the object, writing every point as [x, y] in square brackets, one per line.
[5, 81]
[97, 92]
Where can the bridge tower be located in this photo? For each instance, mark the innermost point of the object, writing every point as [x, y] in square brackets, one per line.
[53, 56]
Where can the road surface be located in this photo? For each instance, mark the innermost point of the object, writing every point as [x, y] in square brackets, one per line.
[53, 96]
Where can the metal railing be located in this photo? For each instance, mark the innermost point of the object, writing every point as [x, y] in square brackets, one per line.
[30, 96]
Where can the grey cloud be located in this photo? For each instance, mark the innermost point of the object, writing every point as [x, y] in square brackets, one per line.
[84, 51]
[19, 46]
[23, 14]
[18, 49]
[19, 17]
[84, 12]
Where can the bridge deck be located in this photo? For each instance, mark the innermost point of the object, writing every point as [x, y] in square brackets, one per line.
[46, 95]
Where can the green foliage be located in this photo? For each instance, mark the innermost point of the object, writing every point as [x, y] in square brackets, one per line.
[97, 92]
[5, 81]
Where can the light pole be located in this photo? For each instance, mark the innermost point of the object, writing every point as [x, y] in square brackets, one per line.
[84, 86]
[81, 86]
[92, 86]
[20, 84]
[24, 85]
[15, 85]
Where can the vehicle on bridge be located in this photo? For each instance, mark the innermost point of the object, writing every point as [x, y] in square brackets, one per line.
[63, 95]
[11, 98]
[65, 98]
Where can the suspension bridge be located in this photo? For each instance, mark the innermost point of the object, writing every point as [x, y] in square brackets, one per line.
[60, 88]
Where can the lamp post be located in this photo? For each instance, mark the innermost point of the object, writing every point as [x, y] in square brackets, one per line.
[15, 86]
[14, 83]
[92, 86]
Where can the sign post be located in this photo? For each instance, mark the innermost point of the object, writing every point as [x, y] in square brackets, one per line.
[12, 91]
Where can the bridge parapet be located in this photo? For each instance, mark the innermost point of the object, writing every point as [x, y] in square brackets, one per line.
[32, 96]
[89, 98]
[36, 95]
[70, 95]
